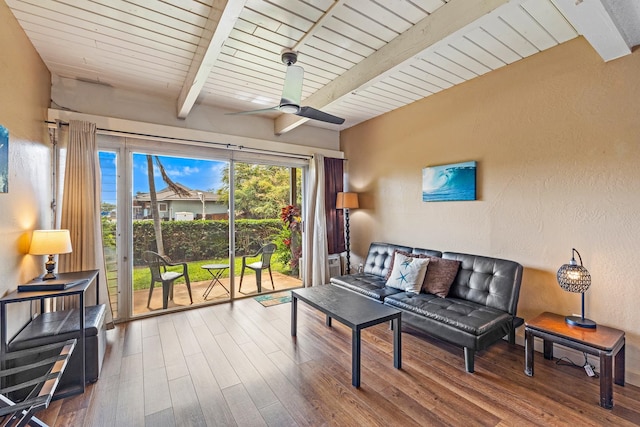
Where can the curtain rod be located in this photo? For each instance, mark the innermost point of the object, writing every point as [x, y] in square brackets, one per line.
[232, 147]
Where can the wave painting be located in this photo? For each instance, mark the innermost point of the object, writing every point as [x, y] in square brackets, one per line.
[449, 182]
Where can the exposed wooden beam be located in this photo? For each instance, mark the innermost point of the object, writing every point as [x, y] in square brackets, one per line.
[221, 20]
[318, 25]
[445, 21]
[594, 22]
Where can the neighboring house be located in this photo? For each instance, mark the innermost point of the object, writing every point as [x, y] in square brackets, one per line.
[173, 206]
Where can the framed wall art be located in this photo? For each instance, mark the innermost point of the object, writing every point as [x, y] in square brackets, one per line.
[449, 182]
[4, 159]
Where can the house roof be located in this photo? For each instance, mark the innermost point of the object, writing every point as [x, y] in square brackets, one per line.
[166, 194]
[361, 58]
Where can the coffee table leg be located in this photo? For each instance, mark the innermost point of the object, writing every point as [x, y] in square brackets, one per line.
[528, 352]
[397, 343]
[547, 348]
[327, 321]
[294, 315]
[606, 381]
[355, 358]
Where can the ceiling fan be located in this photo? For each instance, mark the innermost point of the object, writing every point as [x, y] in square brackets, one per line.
[292, 92]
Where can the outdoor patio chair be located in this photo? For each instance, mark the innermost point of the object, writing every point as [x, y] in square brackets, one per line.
[159, 273]
[265, 254]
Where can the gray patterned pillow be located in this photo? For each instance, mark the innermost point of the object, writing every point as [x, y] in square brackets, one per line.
[440, 276]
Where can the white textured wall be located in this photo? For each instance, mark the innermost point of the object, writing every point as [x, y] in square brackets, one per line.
[557, 140]
[24, 98]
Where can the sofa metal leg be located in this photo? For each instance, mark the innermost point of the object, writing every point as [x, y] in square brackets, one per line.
[468, 359]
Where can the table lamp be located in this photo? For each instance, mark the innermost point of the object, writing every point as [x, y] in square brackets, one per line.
[50, 242]
[347, 201]
[575, 278]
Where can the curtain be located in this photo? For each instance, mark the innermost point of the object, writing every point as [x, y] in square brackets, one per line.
[334, 177]
[316, 263]
[81, 210]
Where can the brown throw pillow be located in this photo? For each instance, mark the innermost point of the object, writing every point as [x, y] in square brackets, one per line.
[393, 257]
[440, 276]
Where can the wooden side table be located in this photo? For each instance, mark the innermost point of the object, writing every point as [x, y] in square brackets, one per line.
[604, 342]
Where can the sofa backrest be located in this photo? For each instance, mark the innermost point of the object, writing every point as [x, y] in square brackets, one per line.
[489, 281]
[378, 260]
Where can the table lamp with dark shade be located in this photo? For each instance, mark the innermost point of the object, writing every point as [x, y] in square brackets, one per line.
[575, 278]
[50, 242]
[347, 201]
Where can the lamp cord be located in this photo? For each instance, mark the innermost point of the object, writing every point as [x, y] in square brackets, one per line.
[565, 361]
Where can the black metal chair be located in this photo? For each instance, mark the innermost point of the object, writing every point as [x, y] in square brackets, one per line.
[265, 254]
[160, 273]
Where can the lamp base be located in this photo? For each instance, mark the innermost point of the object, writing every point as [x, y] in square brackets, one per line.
[580, 322]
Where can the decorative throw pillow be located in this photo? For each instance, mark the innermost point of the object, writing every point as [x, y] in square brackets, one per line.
[407, 273]
[440, 276]
[393, 257]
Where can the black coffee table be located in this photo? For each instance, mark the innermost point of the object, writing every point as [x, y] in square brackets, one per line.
[353, 310]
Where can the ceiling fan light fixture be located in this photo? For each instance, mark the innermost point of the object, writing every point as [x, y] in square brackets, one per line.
[289, 108]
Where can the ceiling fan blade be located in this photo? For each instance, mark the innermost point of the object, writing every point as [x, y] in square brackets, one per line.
[262, 110]
[312, 113]
[292, 90]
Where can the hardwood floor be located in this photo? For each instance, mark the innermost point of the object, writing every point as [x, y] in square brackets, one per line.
[238, 365]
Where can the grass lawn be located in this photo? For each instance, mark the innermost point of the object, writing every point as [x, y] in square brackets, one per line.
[142, 275]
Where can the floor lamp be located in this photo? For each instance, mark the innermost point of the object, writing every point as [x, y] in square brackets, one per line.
[347, 201]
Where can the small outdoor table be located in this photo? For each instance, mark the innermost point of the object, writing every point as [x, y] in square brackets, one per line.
[216, 271]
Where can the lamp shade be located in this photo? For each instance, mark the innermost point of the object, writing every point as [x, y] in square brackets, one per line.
[573, 277]
[48, 242]
[347, 201]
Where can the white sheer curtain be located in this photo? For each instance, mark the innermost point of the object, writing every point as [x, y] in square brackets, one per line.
[81, 209]
[316, 264]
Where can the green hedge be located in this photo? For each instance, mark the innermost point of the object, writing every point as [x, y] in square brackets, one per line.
[199, 240]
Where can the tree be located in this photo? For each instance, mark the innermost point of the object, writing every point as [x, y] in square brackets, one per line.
[260, 191]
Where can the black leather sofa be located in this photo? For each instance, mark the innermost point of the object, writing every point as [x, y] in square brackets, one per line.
[479, 309]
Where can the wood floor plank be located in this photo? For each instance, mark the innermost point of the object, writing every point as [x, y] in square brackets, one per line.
[172, 352]
[214, 406]
[186, 406]
[239, 365]
[245, 412]
[218, 364]
[156, 391]
[259, 390]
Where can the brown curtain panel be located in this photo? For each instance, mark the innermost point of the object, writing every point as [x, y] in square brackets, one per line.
[334, 177]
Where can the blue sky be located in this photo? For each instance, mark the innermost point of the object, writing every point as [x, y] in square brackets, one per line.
[195, 174]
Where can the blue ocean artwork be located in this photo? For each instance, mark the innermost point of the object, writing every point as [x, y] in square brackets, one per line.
[449, 182]
[4, 160]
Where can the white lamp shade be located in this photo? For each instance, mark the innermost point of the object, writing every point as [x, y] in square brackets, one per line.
[347, 201]
[50, 242]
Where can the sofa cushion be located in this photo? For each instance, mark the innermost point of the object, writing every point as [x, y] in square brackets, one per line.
[370, 285]
[472, 318]
[440, 275]
[407, 272]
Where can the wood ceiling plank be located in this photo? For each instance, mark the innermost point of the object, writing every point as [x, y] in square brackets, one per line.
[279, 39]
[431, 6]
[391, 94]
[374, 20]
[414, 80]
[427, 76]
[318, 75]
[259, 20]
[467, 62]
[222, 17]
[334, 38]
[345, 29]
[191, 11]
[371, 93]
[463, 44]
[280, 14]
[549, 17]
[418, 88]
[335, 50]
[54, 18]
[411, 12]
[503, 32]
[492, 45]
[438, 71]
[326, 57]
[529, 28]
[448, 19]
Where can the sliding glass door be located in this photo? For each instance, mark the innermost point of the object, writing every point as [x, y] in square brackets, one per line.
[186, 230]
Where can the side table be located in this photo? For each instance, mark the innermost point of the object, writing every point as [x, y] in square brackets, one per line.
[604, 342]
[86, 278]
